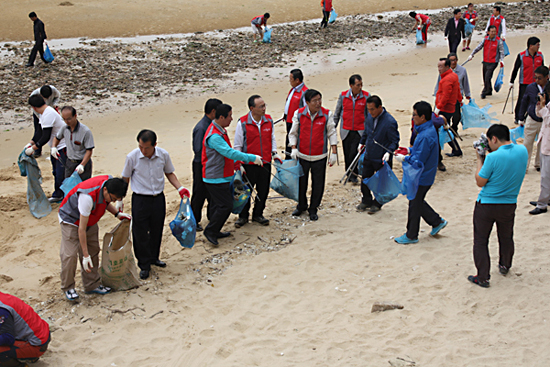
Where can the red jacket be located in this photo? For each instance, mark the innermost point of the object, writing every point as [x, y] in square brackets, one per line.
[327, 5]
[29, 327]
[257, 141]
[448, 92]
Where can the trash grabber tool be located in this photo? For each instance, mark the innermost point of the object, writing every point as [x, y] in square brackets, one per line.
[505, 103]
[352, 166]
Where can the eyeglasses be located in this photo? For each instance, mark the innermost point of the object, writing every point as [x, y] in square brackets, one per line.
[539, 77]
[316, 100]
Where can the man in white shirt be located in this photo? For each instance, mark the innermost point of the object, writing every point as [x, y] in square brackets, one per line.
[50, 123]
[51, 96]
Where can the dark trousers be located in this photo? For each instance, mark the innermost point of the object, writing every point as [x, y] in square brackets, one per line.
[70, 166]
[522, 88]
[37, 132]
[488, 70]
[485, 215]
[453, 119]
[148, 213]
[58, 172]
[419, 208]
[200, 193]
[350, 144]
[369, 169]
[259, 177]
[288, 149]
[324, 21]
[38, 48]
[221, 203]
[318, 172]
[453, 44]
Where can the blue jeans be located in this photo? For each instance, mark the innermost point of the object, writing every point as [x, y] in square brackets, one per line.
[58, 172]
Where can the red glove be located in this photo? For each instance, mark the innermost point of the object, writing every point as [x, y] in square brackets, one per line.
[468, 98]
[402, 151]
[184, 193]
[237, 166]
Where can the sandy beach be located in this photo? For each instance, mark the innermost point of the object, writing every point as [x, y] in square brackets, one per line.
[296, 293]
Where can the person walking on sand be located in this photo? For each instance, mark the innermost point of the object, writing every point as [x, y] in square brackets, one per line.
[351, 108]
[380, 129]
[145, 169]
[326, 6]
[471, 15]
[500, 175]
[51, 96]
[218, 162]
[454, 31]
[423, 22]
[255, 135]
[294, 100]
[499, 22]
[543, 111]
[425, 150]
[526, 63]
[493, 54]
[257, 23]
[200, 193]
[312, 132]
[39, 38]
[78, 215]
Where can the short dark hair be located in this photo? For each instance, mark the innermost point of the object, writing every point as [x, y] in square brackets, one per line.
[211, 104]
[297, 74]
[266, 15]
[116, 186]
[36, 101]
[146, 135]
[423, 108]
[531, 41]
[223, 110]
[470, 4]
[354, 78]
[447, 61]
[46, 91]
[500, 131]
[311, 93]
[542, 70]
[70, 108]
[456, 11]
[491, 27]
[451, 55]
[32, 14]
[412, 14]
[252, 100]
[497, 8]
[375, 99]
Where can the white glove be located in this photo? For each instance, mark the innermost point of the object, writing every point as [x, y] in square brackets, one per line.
[122, 216]
[521, 123]
[436, 111]
[87, 264]
[386, 157]
[294, 154]
[277, 158]
[360, 148]
[29, 151]
[470, 57]
[332, 160]
[258, 161]
[55, 154]
[119, 206]
[79, 168]
[28, 145]
[511, 85]
[399, 158]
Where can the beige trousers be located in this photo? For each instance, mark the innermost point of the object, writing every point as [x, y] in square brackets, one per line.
[71, 253]
[532, 129]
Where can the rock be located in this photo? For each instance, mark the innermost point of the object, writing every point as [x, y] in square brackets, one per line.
[385, 306]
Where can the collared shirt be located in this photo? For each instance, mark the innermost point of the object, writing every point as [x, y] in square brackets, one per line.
[289, 98]
[51, 119]
[462, 80]
[239, 136]
[78, 141]
[147, 174]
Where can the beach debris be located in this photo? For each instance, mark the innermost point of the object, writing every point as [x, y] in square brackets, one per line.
[402, 362]
[385, 306]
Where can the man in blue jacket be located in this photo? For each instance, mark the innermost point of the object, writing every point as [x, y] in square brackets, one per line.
[381, 127]
[425, 150]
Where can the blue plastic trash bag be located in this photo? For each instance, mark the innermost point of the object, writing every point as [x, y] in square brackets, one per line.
[360, 164]
[267, 35]
[473, 116]
[384, 184]
[468, 28]
[287, 179]
[419, 40]
[184, 226]
[241, 193]
[411, 178]
[506, 49]
[48, 54]
[37, 200]
[444, 137]
[70, 182]
[517, 133]
[333, 16]
[500, 80]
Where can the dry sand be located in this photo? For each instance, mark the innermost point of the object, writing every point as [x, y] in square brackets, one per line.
[255, 301]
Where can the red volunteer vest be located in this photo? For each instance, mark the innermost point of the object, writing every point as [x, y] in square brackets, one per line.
[259, 21]
[327, 5]
[28, 325]
[528, 66]
[472, 17]
[496, 22]
[295, 102]
[215, 165]
[353, 112]
[312, 137]
[257, 141]
[68, 210]
[490, 50]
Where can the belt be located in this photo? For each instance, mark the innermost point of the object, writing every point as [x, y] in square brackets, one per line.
[151, 196]
[74, 160]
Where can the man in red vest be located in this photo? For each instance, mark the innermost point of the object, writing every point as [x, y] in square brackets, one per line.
[312, 132]
[294, 100]
[499, 22]
[422, 22]
[257, 23]
[79, 213]
[326, 6]
[493, 54]
[470, 15]
[526, 63]
[351, 108]
[24, 336]
[255, 135]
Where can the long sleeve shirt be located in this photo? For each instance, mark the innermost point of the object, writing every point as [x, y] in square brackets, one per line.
[332, 136]
[500, 55]
[217, 143]
[462, 80]
[198, 136]
[544, 134]
[425, 150]
[529, 101]
[39, 31]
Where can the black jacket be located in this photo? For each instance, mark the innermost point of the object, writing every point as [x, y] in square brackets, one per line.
[198, 136]
[385, 133]
[39, 31]
[453, 32]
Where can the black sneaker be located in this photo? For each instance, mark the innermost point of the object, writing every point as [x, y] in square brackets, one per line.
[538, 211]
[475, 280]
[374, 209]
[503, 269]
[261, 220]
[362, 207]
[241, 222]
